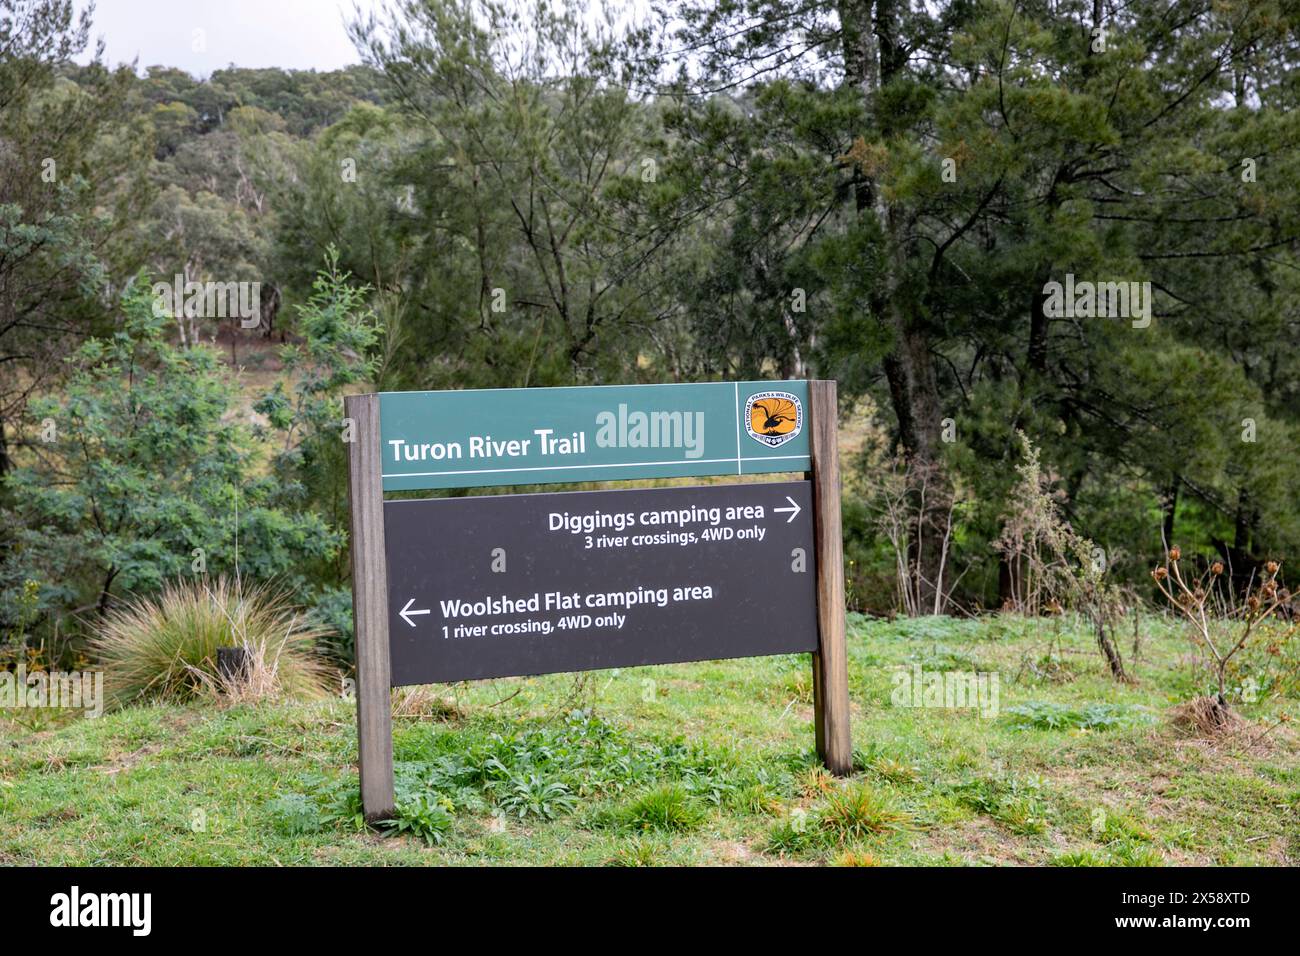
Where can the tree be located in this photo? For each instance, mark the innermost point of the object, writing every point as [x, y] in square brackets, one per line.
[68, 183]
[148, 476]
[965, 156]
[525, 275]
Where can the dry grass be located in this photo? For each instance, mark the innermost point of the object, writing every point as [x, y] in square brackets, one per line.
[165, 648]
[1206, 716]
[424, 702]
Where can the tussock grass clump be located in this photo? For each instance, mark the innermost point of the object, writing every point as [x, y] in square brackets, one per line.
[640, 851]
[857, 811]
[423, 702]
[165, 648]
[668, 808]
[856, 858]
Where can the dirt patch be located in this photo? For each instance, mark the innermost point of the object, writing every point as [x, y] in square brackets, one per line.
[977, 841]
[733, 853]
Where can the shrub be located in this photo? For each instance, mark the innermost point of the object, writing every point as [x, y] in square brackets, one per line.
[1222, 627]
[160, 466]
[166, 648]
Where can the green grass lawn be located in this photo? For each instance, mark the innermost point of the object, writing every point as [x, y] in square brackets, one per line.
[685, 764]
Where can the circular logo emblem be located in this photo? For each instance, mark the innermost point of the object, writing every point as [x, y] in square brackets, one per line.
[773, 418]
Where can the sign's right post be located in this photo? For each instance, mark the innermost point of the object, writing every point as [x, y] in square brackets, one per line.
[830, 662]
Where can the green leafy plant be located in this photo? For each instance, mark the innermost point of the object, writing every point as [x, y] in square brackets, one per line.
[1014, 802]
[1047, 715]
[639, 850]
[295, 814]
[425, 815]
[791, 833]
[533, 796]
[1078, 858]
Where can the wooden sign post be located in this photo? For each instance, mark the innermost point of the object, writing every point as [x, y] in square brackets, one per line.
[831, 660]
[547, 583]
[370, 608]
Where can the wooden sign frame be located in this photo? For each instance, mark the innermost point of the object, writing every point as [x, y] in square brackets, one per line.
[370, 596]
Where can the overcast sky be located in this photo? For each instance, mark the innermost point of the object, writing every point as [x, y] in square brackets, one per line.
[205, 35]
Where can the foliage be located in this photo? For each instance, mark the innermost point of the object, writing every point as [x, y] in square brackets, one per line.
[1049, 715]
[976, 794]
[295, 814]
[423, 815]
[525, 796]
[166, 648]
[1017, 803]
[148, 476]
[1050, 562]
[858, 811]
[668, 807]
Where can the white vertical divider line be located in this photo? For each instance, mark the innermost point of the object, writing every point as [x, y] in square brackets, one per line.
[739, 465]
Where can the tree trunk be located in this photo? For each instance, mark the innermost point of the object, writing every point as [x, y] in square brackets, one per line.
[1171, 509]
[1110, 650]
[1241, 526]
[872, 55]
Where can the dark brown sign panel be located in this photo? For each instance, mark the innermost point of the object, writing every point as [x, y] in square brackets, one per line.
[501, 586]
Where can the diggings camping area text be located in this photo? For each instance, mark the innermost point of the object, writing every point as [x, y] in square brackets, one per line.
[488, 586]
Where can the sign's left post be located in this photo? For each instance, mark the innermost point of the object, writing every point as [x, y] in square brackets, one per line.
[370, 606]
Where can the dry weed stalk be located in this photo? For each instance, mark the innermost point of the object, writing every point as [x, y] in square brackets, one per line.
[1051, 564]
[907, 500]
[1220, 624]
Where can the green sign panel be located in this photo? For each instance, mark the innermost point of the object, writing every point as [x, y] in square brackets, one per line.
[524, 436]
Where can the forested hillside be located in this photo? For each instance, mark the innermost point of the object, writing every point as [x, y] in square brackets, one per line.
[879, 193]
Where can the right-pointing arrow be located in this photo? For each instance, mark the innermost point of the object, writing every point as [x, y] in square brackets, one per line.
[794, 509]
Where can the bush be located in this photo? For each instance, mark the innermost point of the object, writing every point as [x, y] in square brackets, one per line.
[151, 474]
[166, 648]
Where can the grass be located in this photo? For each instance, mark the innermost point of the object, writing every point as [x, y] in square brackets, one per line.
[166, 648]
[716, 767]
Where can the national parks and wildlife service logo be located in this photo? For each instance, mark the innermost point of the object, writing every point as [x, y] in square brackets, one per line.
[773, 418]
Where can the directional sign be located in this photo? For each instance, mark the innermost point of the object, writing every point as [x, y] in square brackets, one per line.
[462, 439]
[499, 586]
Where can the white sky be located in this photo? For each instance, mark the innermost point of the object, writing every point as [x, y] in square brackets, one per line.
[292, 34]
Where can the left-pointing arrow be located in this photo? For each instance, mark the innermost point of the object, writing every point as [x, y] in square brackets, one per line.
[406, 612]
